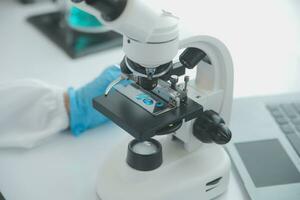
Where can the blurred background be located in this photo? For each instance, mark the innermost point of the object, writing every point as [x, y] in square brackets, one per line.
[263, 37]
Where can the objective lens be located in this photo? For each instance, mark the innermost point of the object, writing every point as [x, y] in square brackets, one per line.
[147, 84]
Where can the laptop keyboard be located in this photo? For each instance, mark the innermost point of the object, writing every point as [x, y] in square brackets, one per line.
[287, 117]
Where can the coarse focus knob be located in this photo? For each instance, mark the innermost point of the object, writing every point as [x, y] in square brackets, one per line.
[210, 127]
[191, 57]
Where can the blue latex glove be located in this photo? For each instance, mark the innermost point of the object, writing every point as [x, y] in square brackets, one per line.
[82, 114]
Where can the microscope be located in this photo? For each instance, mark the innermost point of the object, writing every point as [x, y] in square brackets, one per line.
[178, 125]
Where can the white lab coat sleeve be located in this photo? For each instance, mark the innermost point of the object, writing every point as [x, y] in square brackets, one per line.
[30, 112]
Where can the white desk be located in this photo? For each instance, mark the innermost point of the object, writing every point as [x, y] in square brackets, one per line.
[66, 167]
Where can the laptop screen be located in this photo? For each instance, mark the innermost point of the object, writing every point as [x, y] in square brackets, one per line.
[268, 163]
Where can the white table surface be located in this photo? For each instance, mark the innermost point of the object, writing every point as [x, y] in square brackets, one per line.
[262, 37]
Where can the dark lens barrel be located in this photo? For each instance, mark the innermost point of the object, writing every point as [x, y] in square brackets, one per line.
[147, 84]
[124, 68]
[110, 9]
[144, 162]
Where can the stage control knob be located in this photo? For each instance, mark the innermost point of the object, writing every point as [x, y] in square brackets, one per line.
[210, 127]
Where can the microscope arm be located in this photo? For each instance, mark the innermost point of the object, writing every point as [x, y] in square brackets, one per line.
[213, 86]
[217, 77]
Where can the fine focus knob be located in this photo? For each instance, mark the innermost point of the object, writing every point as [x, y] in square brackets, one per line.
[210, 127]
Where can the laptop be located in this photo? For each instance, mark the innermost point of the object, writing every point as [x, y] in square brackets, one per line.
[265, 149]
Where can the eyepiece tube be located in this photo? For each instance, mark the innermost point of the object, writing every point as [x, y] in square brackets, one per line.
[110, 9]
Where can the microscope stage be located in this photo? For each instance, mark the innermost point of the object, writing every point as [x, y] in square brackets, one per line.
[139, 122]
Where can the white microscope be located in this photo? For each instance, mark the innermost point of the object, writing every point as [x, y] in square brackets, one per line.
[186, 159]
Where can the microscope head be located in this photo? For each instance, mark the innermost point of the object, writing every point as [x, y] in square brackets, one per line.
[150, 36]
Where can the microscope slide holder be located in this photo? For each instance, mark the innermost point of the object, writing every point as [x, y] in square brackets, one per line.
[138, 122]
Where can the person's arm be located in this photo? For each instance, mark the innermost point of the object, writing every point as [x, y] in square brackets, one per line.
[32, 111]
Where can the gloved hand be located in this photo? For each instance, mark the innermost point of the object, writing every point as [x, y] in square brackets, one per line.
[82, 114]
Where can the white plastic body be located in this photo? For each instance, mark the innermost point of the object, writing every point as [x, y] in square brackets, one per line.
[183, 175]
[142, 53]
[213, 86]
[188, 165]
[148, 29]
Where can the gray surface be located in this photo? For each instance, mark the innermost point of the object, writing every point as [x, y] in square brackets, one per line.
[268, 163]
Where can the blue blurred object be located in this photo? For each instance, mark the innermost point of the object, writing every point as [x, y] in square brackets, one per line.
[148, 102]
[79, 18]
[160, 104]
[82, 114]
[142, 96]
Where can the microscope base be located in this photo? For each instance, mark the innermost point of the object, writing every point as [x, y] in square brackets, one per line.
[203, 174]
